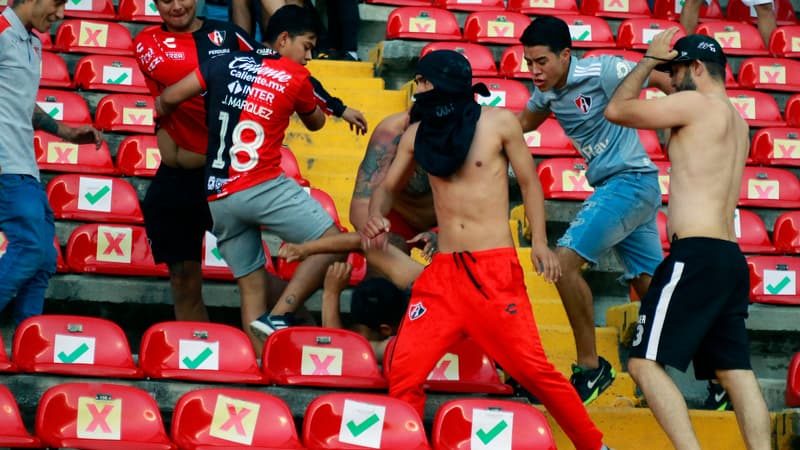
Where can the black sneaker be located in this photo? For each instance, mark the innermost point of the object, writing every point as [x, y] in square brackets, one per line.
[268, 324]
[717, 399]
[590, 383]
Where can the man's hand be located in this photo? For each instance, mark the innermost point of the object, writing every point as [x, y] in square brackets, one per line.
[357, 121]
[431, 240]
[660, 47]
[546, 263]
[374, 233]
[338, 277]
[292, 252]
[85, 134]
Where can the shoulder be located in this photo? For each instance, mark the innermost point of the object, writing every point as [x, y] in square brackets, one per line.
[498, 117]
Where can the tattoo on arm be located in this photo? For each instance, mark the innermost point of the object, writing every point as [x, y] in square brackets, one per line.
[289, 300]
[42, 121]
[374, 166]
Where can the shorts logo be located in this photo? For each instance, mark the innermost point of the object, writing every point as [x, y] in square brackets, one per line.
[416, 311]
[584, 103]
[216, 37]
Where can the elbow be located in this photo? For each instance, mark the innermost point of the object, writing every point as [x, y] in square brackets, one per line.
[315, 120]
[613, 113]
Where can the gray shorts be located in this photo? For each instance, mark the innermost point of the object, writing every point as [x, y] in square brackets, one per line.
[280, 205]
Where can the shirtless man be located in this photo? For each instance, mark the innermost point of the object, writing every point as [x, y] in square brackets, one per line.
[697, 302]
[474, 286]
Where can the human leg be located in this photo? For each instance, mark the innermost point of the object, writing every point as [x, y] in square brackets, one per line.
[577, 299]
[690, 14]
[186, 284]
[767, 21]
[753, 418]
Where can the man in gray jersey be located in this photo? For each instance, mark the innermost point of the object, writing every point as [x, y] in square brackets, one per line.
[621, 213]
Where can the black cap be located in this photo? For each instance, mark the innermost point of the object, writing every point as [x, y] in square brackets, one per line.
[449, 72]
[696, 47]
[377, 301]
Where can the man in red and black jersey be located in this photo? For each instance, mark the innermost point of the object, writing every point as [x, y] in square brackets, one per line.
[250, 99]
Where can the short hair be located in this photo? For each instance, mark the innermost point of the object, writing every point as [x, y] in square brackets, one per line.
[716, 71]
[293, 19]
[377, 301]
[548, 31]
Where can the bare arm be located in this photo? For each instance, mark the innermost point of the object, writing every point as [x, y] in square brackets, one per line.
[241, 15]
[81, 135]
[530, 120]
[177, 93]
[660, 80]
[380, 153]
[337, 243]
[313, 120]
[336, 280]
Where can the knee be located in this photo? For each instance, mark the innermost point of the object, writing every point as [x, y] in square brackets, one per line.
[638, 368]
[571, 263]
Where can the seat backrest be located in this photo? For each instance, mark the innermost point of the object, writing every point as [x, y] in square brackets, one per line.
[671, 10]
[233, 418]
[628, 55]
[786, 232]
[793, 382]
[113, 250]
[56, 155]
[773, 279]
[637, 33]
[564, 178]
[785, 41]
[138, 156]
[661, 223]
[93, 36]
[495, 27]
[664, 168]
[315, 356]
[54, 71]
[769, 187]
[214, 265]
[6, 365]
[354, 420]
[589, 31]
[543, 7]
[651, 144]
[112, 73]
[73, 345]
[139, 11]
[471, 5]
[90, 415]
[130, 113]
[776, 74]
[776, 146]
[94, 199]
[12, 430]
[198, 351]
[509, 94]
[616, 9]
[759, 109]
[784, 12]
[751, 233]
[549, 139]
[792, 111]
[513, 64]
[326, 201]
[736, 38]
[422, 22]
[65, 106]
[90, 9]
[480, 58]
[489, 423]
[291, 168]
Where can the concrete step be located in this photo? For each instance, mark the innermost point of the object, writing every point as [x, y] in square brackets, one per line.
[326, 68]
[559, 345]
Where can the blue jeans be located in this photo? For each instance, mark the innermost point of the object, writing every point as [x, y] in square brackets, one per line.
[30, 258]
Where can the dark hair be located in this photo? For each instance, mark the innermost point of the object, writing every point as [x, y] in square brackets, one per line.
[377, 301]
[716, 71]
[548, 31]
[293, 19]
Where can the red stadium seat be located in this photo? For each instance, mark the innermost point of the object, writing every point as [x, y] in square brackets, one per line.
[61, 265]
[495, 27]
[769, 187]
[314, 356]
[480, 58]
[54, 71]
[214, 266]
[476, 422]
[773, 279]
[513, 64]
[6, 365]
[222, 418]
[352, 420]
[751, 234]
[543, 7]
[785, 41]
[736, 38]
[198, 351]
[424, 23]
[663, 179]
[651, 144]
[786, 232]
[784, 12]
[112, 250]
[326, 201]
[509, 94]
[90, 9]
[73, 345]
[628, 55]
[126, 112]
[47, 41]
[671, 10]
[92, 36]
[792, 110]
[549, 139]
[138, 156]
[793, 382]
[470, 5]
[730, 81]
[53, 154]
[636, 34]
[776, 147]
[399, 2]
[759, 109]
[138, 11]
[291, 168]
[12, 431]
[589, 31]
[110, 73]
[94, 199]
[65, 106]
[661, 223]
[616, 9]
[777, 74]
[564, 178]
[90, 416]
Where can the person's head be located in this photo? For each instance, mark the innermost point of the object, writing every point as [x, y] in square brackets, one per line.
[179, 16]
[377, 307]
[448, 72]
[700, 59]
[292, 32]
[39, 14]
[547, 48]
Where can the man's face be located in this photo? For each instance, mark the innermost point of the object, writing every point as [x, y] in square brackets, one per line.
[178, 15]
[549, 70]
[423, 85]
[681, 78]
[297, 48]
[45, 12]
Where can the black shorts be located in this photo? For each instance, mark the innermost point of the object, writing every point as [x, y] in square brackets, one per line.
[176, 214]
[695, 309]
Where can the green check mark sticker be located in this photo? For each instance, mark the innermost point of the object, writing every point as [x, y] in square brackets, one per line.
[97, 196]
[585, 35]
[194, 363]
[75, 2]
[73, 355]
[358, 429]
[216, 253]
[488, 436]
[777, 288]
[121, 79]
[53, 112]
[152, 7]
[495, 101]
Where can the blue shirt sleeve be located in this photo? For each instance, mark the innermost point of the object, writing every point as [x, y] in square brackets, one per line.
[538, 102]
[614, 70]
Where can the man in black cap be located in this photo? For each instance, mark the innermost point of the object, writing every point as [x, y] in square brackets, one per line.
[697, 303]
[474, 286]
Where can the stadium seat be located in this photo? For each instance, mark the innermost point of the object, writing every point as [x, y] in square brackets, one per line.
[730, 81]
[589, 31]
[508, 94]
[138, 11]
[12, 431]
[616, 9]
[543, 7]
[56, 155]
[736, 38]
[776, 74]
[92, 36]
[291, 168]
[671, 10]
[792, 110]
[785, 41]
[315, 356]
[470, 5]
[513, 64]
[138, 156]
[664, 168]
[94, 199]
[773, 279]
[423, 3]
[214, 266]
[738, 11]
[786, 232]
[564, 178]
[751, 234]
[327, 202]
[130, 113]
[112, 250]
[73, 345]
[110, 73]
[65, 106]
[628, 55]
[90, 9]
[661, 223]
[495, 27]
[651, 93]
[222, 418]
[6, 365]
[769, 187]
[424, 23]
[465, 368]
[355, 420]
[652, 145]
[480, 58]
[47, 41]
[793, 382]
[759, 109]
[480, 422]
[776, 146]
[54, 71]
[198, 351]
[636, 34]
[549, 139]
[100, 416]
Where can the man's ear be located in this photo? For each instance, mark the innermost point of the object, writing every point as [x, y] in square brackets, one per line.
[282, 41]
